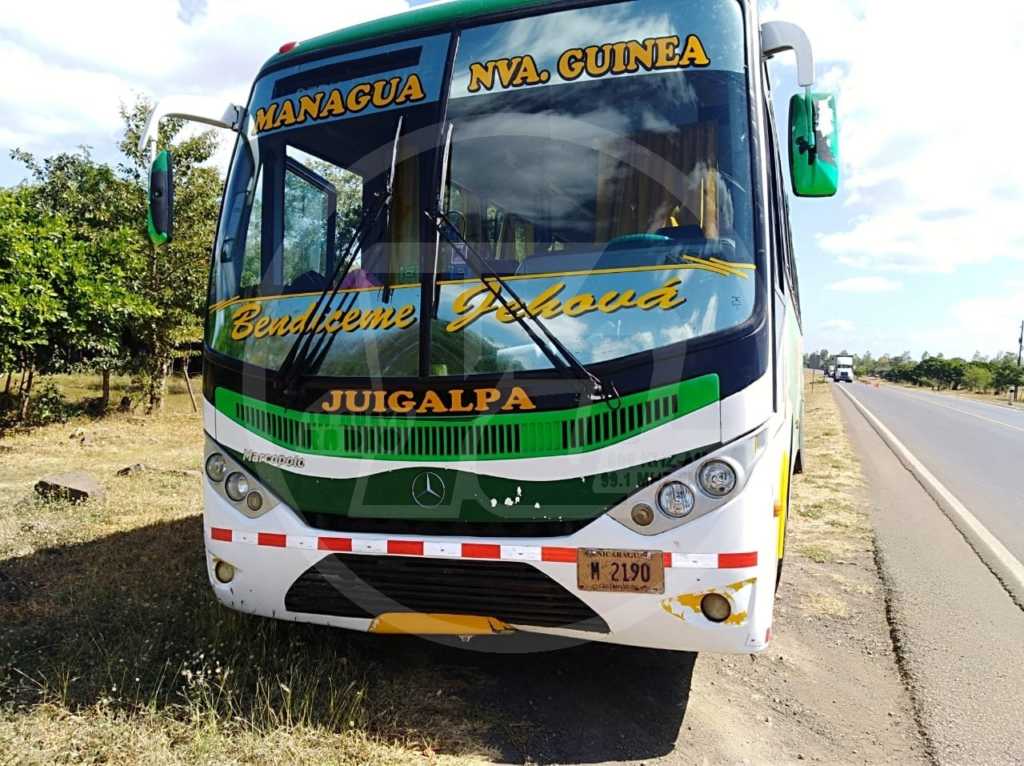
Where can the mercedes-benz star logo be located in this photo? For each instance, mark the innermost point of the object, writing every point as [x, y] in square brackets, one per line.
[428, 490]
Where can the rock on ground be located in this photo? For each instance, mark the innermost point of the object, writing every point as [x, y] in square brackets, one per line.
[76, 486]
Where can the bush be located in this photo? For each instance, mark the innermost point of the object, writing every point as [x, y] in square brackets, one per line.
[48, 405]
[977, 378]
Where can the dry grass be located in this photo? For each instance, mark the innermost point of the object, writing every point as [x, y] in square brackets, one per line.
[828, 523]
[112, 648]
[825, 604]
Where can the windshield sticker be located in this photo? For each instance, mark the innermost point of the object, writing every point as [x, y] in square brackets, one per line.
[548, 305]
[320, 91]
[250, 321]
[471, 304]
[595, 61]
[603, 42]
[379, 94]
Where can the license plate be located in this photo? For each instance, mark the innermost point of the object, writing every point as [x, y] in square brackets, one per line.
[620, 571]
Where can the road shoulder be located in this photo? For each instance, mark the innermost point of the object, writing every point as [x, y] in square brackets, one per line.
[957, 630]
[828, 688]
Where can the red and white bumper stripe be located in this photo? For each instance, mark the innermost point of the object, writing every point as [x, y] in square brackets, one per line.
[458, 550]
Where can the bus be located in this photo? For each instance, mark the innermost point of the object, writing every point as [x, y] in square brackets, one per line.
[503, 332]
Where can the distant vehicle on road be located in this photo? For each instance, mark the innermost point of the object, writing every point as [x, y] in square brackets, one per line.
[844, 369]
[831, 372]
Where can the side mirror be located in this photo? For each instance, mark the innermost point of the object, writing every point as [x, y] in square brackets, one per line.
[813, 144]
[160, 218]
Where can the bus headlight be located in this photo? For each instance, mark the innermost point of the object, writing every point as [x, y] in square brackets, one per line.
[216, 467]
[233, 482]
[237, 486]
[717, 478]
[675, 499]
[691, 491]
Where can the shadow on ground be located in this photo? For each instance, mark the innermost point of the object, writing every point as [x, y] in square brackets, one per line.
[129, 620]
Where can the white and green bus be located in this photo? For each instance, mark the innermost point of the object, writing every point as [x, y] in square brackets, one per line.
[503, 329]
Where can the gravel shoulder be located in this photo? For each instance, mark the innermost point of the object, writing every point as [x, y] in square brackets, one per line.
[958, 631]
[828, 689]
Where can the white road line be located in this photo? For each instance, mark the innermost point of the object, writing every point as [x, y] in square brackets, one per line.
[926, 398]
[1004, 565]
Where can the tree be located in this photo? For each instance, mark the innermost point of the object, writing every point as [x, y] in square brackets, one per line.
[30, 259]
[977, 377]
[101, 264]
[1006, 374]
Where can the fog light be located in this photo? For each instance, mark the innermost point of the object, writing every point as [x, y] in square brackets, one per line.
[237, 486]
[717, 478]
[675, 499]
[715, 607]
[642, 515]
[254, 500]
[216, 467]
[224, 572]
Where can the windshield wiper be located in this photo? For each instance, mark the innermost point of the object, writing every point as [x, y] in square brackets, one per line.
[564, 360]
[306, 354]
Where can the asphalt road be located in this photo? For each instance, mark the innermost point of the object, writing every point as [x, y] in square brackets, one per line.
[959, 636]
[974, 448]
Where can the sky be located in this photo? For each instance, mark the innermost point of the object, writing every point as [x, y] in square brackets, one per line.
[922, 249]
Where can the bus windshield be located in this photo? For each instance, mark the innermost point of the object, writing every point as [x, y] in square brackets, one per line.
[597, 159]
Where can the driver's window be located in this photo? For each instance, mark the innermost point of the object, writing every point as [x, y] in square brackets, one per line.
[310, 222]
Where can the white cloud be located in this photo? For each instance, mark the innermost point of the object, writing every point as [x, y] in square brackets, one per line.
[69, 65]
[989, 324]
[866, 285]
[837, 325]
[933, 177]
[609, 348]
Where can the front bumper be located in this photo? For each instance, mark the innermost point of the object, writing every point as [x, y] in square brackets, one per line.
[729, 551]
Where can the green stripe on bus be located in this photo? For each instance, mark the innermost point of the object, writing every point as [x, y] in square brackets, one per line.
[483, 437]
[468, 497]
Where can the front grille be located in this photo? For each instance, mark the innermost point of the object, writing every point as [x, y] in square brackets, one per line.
[333, 522]
[352, 585]
[608, 425]
[488, 436]
[281, 428]
[432, 441]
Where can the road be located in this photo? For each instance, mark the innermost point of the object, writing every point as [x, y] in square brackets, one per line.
[974, 448]
[959, 635]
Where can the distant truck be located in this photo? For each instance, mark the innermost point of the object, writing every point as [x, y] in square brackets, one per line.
[844, 369]
[831, 371]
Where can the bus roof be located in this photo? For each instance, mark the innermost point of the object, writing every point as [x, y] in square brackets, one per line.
[420, 19]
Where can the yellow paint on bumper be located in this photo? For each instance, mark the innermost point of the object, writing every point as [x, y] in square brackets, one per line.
[422, 624]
